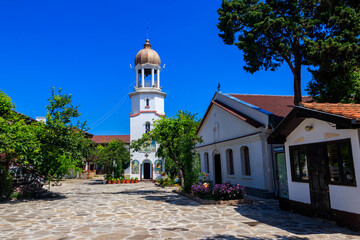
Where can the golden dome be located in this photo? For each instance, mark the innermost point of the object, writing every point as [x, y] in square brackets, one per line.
[147, 55]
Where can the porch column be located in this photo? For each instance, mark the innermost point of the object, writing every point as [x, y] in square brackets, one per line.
[140, 171]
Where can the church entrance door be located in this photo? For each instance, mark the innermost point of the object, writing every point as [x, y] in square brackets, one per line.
[147, 171]
[218, 177]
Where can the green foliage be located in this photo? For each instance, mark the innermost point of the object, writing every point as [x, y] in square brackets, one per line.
[17, 136]
[177, 138]
[5, 184]
[6, 104]
[50, 149]
[298, 32]
[63, 145]
[114, 157]
[335, 86]
[167, 182]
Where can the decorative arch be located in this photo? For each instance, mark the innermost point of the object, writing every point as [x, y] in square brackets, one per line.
[147, 102]
[217, 167]
[147, 127]
[245, 159]
[230, 161]
[149, 170]
[206, 162]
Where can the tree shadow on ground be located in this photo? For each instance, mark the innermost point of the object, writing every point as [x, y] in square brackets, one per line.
[268, 212]
[52, 197]
[276, 237]
[95, 182]
[157, 195]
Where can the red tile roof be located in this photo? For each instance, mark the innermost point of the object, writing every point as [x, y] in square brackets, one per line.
[278, 105]
[108, 138]
[347, 110]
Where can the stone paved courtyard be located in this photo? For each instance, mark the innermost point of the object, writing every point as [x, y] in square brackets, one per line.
[90, 210]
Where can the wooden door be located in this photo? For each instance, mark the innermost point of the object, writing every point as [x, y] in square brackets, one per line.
[218, 177]
[318, 181]
[147, 171]
[281, 175]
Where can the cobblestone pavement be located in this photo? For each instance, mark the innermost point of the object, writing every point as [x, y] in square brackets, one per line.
[89, 210]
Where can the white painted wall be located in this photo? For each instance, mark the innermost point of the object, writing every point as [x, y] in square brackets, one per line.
[341, 197]
[138, 101]
[221, 125]
[258, 178]
[137, 123]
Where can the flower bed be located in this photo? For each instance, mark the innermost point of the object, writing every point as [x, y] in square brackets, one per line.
[167, 182]
[225, 191]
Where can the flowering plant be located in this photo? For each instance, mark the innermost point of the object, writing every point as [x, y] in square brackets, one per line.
[225, 191]
[203, 177]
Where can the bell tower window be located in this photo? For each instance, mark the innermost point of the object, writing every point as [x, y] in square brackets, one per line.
[139, 78]
[147, 127]
[147, 103]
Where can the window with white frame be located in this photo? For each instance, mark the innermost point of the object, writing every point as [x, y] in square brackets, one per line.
[147, 127]
[245, 159]
[230, 162]
[206, 162]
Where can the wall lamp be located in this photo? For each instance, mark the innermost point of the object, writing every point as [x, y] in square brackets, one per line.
[308, 128]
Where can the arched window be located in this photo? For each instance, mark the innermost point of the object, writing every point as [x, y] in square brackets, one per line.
[199, 159]
[230, 162]
[147, 127]
[245, 158]
[147, 101]
[139, 78]
[206, 162]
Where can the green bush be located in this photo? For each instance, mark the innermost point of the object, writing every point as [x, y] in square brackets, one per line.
[6, 187]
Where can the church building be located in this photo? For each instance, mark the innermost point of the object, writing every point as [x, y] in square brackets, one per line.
[147, 105]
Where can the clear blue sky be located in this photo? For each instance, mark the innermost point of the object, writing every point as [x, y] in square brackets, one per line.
[86, 46]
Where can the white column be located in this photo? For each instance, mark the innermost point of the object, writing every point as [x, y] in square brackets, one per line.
[137, 78]
[152, 77]
[142, 77]
[158, 78]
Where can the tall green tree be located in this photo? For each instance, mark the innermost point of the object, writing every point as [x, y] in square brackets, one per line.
[297, 32]
[114, 157]
[64, 145]
[18, 140]
[177, 138]
[334, 86]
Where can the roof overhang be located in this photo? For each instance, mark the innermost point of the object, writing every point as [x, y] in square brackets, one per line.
[231, 111]
[299, 114]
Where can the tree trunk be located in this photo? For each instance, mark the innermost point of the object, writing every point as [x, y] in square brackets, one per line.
[181, 174]
[297, 85]
[297, 75]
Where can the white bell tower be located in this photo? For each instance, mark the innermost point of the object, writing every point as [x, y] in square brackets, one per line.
[147, 105]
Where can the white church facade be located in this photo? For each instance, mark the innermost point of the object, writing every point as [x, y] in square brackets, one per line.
[234, 130]
[147, 105]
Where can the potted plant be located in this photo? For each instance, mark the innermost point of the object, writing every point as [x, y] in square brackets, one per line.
[122, 180]
[112, 180]
[127, 180]
[118, 181]
[136, 180]
[108, 180]
[132, 180]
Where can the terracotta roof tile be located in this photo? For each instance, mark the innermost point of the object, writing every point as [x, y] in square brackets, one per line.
[348, 110]
[108, 138]
[278, 105]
